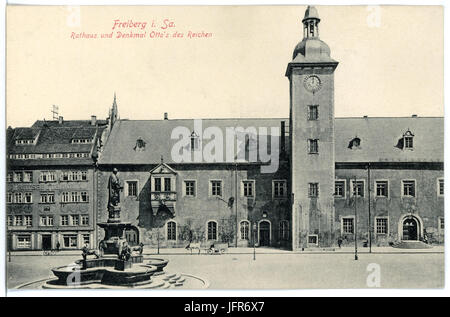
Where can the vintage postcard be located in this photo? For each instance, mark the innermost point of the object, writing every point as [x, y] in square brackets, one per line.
[224, 147]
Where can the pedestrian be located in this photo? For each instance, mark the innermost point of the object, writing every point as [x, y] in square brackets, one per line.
[339, 242]
[58, 245]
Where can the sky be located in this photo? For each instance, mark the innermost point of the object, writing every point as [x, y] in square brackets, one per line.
[390, 61]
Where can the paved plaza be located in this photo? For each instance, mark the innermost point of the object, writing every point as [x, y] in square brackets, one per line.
[272, 269]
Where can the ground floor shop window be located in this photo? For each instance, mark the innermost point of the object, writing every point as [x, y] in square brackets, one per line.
[70, 241]
[24, 241]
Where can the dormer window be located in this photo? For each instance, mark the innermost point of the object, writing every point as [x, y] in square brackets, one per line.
[355, 143]
[194, 141]
[406, 142]
[140, 145]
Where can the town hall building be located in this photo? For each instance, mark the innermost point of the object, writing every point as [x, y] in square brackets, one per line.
[380, 177]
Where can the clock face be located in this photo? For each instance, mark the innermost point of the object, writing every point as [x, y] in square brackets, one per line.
[312, 83]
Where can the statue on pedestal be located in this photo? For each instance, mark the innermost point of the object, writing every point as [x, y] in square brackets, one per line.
[114, 188]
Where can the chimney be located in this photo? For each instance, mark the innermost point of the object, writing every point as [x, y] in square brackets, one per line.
[282, 137]
[166, 116]
[60, 119]
[365, 117]
[93, 120]
[414, 116]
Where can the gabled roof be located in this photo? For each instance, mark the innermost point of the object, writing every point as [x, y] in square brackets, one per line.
[163, 168]
[379, 138]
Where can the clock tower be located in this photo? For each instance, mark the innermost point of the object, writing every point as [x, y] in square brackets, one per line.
[311, 125]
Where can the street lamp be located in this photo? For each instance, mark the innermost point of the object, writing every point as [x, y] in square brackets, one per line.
[254, 241]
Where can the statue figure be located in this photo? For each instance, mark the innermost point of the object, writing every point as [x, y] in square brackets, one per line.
[114, 189]
[86, 251]
[125, 252]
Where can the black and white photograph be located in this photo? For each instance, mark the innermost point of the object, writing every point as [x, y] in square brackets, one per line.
[224, 147]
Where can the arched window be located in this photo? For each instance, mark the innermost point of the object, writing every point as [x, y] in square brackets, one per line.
[171, 230]
[284, 230]
[244, 229]
[212, 230]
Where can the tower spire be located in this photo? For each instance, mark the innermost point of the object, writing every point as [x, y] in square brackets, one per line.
[311, 23]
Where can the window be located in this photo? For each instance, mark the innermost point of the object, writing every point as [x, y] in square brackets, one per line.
[189, 188]
[441, 224]
[382, 188]
[244, 230]
[140, 145]
[381, 225]
[9, 177]
[313, 112]
[18, 198]
[409, 188]
[339, 189]
[194, 141]
[347, 225]
[9, 198]
[47, 198]
[284, 230]
[408, 142]
[18, 177]
[86, 239]
[84, 220]
[70, 241]
[64, 220]
[18, 220]
[248, 188]
[28, 221]
[313, 190]
[440, 187]
[28, 177]
[167, 187]
[84, 197]
[75, 197]
[212, 230]
[75, 220]
[28, 198]
[171, 230]
[132, 188]
[279, 189]
[47, 176]
[24, 241]
[216, 188]
[313, 239]
[157, 184]
[65, 197]
[46, 220]
[357, 188]
[10, 221]
[313, 146]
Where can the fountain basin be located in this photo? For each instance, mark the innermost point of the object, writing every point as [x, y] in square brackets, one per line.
[159, 263]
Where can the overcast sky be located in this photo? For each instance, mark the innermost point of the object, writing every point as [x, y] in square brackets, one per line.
[389, 64]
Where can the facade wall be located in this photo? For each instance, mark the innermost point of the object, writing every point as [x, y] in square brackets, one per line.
[427, 206]
[191, 214]
[38, 233]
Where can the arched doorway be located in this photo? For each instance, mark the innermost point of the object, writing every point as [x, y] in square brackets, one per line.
[264, 233]
[132, 236]
[410, 229]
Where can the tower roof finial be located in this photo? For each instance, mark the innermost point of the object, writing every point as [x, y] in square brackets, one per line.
[311, 13]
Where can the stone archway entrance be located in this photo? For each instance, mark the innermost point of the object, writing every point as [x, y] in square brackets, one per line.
[410, 229]
[264, 233]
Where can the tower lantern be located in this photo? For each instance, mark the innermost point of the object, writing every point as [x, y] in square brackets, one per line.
[311, 23]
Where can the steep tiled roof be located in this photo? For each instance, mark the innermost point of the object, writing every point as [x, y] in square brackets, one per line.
[53, 138]
[379, 138]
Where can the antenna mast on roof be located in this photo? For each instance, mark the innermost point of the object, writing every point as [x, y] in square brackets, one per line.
[55, 112]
